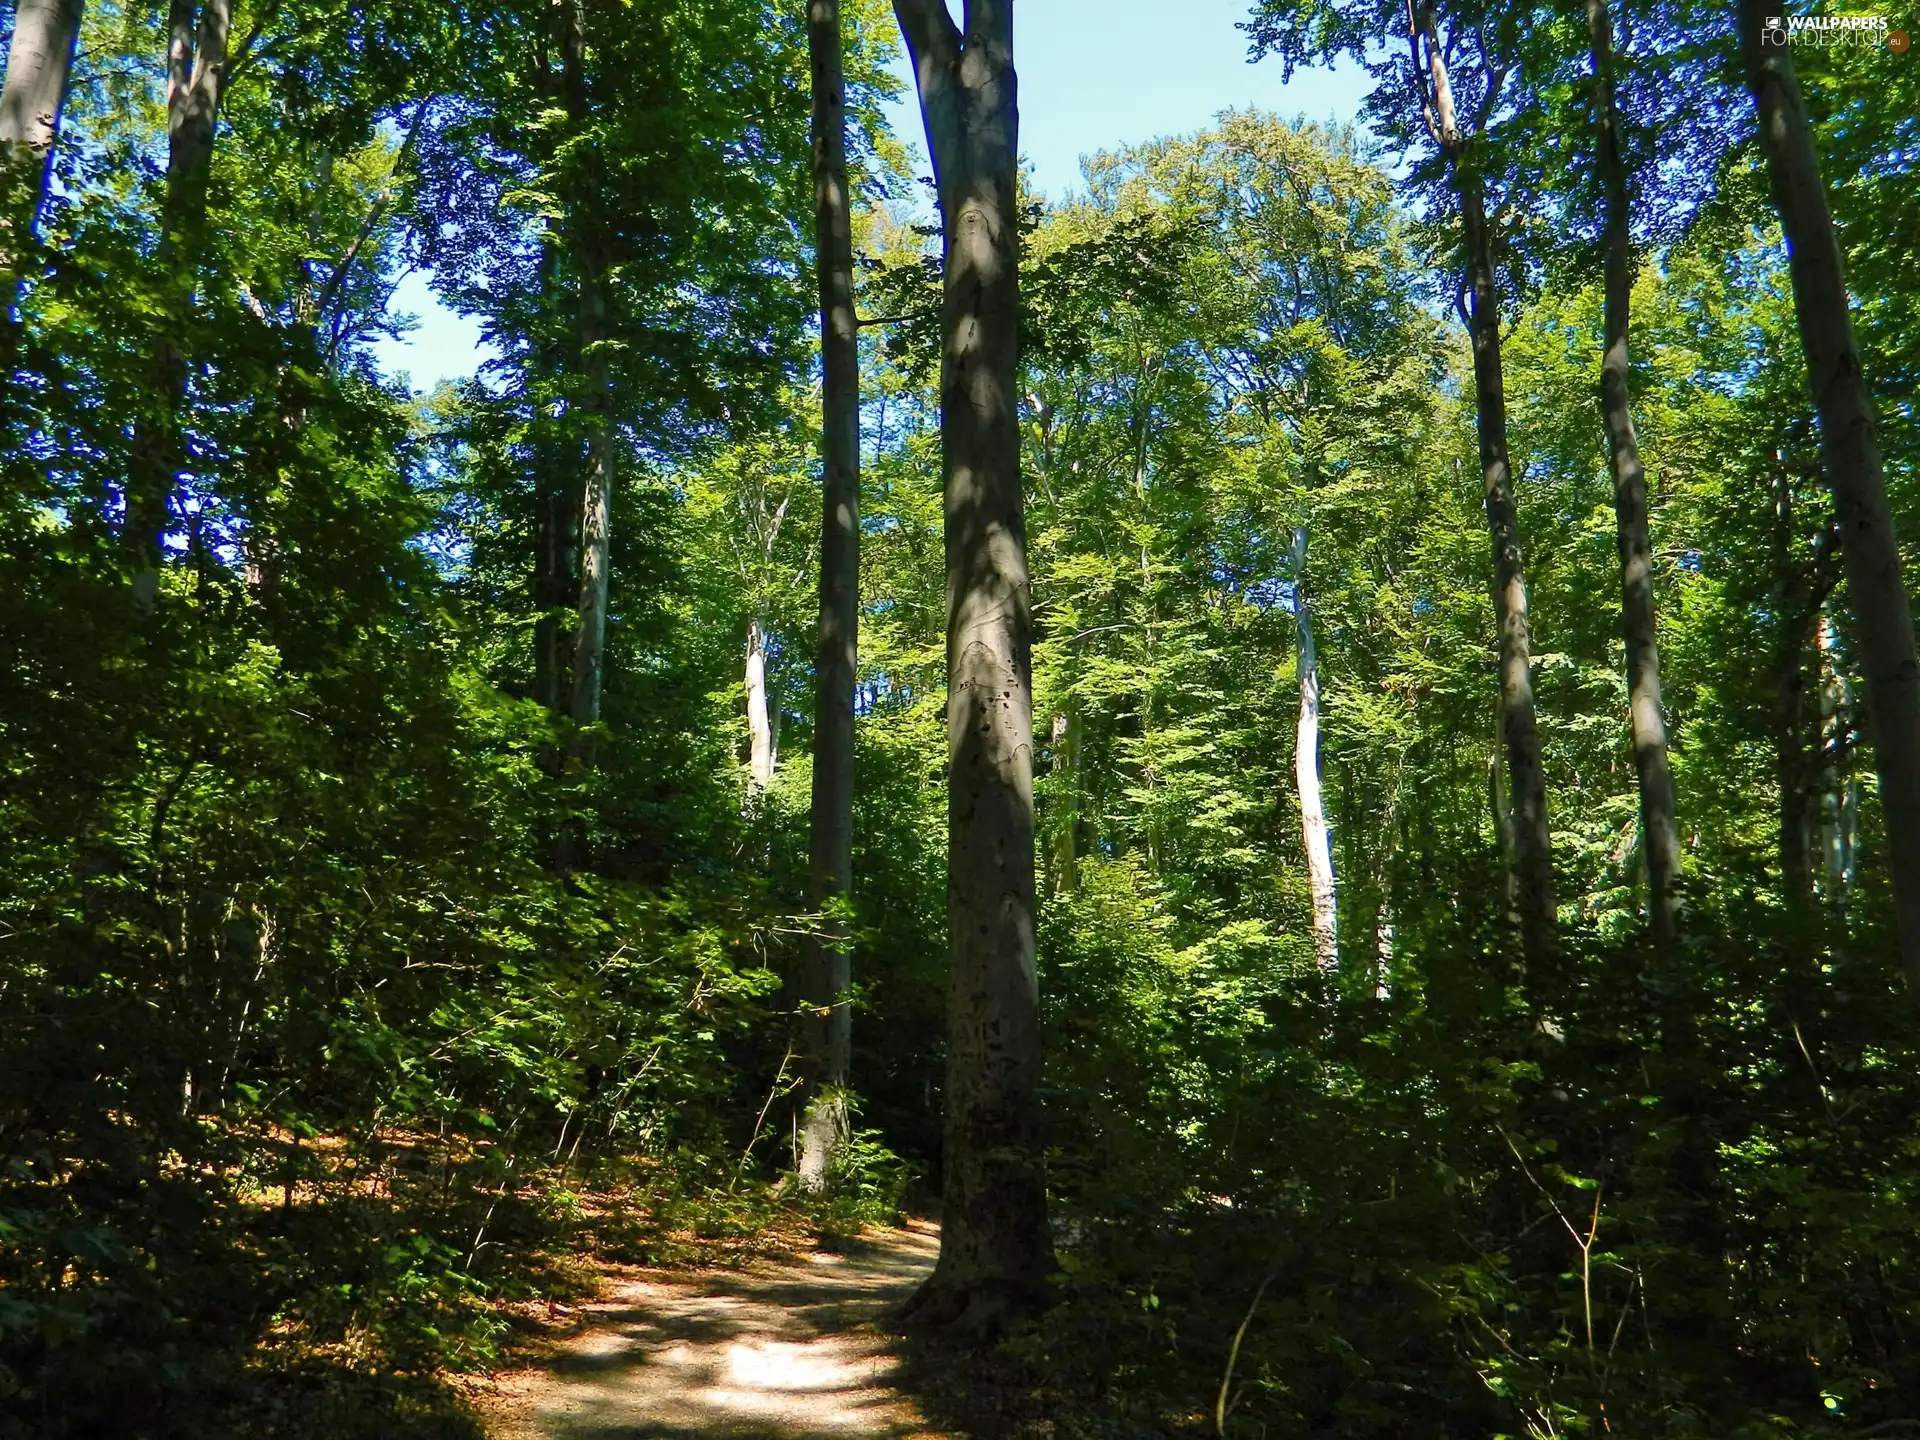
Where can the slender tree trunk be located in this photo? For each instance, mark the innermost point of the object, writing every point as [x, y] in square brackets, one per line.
[1850, 454]
[1839, 793]
[1306, 772]
[995, 1251]
[557, 504]
[1659, 824]
[1066, 799]
[38, 64]
[1532, 838]
[196, 81]
[596, 511]
[827, 1038]
[1789, 703]
[759, 720]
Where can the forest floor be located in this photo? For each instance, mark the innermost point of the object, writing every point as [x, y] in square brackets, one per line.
[783, 1349]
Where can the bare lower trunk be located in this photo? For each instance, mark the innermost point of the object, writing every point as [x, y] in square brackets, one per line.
[1527, 780]
[1839, 792]
[1850, 453]
[38, 64]
[596, 510]
[196, 81]
[827, 1039]
[995, 1252]
[1659, 827]
[556, 513]
[1527, 795]
[1306, 772]
[1066, 800]
[1789, 703]
[759, 724]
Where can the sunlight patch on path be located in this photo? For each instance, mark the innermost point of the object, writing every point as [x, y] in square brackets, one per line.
[779, 1352]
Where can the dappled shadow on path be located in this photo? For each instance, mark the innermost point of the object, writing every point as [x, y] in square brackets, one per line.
[779, 1352]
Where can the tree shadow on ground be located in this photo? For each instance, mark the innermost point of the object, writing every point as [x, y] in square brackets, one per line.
[786, 1350]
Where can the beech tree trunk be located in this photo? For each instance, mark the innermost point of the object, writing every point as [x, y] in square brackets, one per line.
[1789, 702]
[1306, 772]
[995, 1252]
[1850, 454]
[38, 64]
[1527, 782]
[1659, 825]
[596, 511]
[759, 717]
[826, 1018]
[1839, 792]
[1066, 799]
[196, 81]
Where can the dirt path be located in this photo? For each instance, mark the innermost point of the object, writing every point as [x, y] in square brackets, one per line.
[777, 1352]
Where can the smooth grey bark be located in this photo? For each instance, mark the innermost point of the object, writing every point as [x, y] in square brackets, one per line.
[1850, 454]
[1532, 855]
[1659, 823]
[596, 510]
[759, 722]
[197, 62]
[995, 1252]
[1306, 772]
[826, 1015]
[1839, 791]
[1066, 799]
[1792, 616]
[38, 65]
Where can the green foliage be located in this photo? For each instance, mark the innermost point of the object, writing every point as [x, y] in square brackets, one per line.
[342, 1003]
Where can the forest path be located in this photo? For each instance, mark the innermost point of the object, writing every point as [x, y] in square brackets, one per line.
[781, 1351]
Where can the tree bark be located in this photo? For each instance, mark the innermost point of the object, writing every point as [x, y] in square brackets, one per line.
[827, 1038]
[1066, 799]
[1532, 838]
[1306, 772]
[1839, 792]
[38, 65]
[1659, 824]
[596, 511]
[995, 1252]
[1789, 700]
[1850, 454]
[196, 81]
[759, 720]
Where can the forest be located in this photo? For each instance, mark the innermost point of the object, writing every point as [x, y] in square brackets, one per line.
[1312, 746]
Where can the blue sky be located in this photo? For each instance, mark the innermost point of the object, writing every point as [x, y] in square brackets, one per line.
[1094, 74]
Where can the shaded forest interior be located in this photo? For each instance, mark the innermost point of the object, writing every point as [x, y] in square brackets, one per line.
[1314, 745]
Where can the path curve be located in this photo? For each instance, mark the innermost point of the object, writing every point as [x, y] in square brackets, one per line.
[780, 1351]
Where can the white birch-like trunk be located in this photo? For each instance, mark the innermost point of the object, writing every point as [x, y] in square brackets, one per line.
[1306, 772]
[759, 718]
[1839, 791]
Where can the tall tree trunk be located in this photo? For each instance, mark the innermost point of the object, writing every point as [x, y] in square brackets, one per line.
[1066, 798]
[759, 717]
[1789, 703]
[1659, 824]
[1306, 772]
[995, 1251]
[196, 81]
[1850, 454]
[1839, 792]
[826, 1018]
[596, 510]
[38, 64]
[1532, 839]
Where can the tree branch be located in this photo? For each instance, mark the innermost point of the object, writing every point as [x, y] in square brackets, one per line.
[929, 30]
[375, 213]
